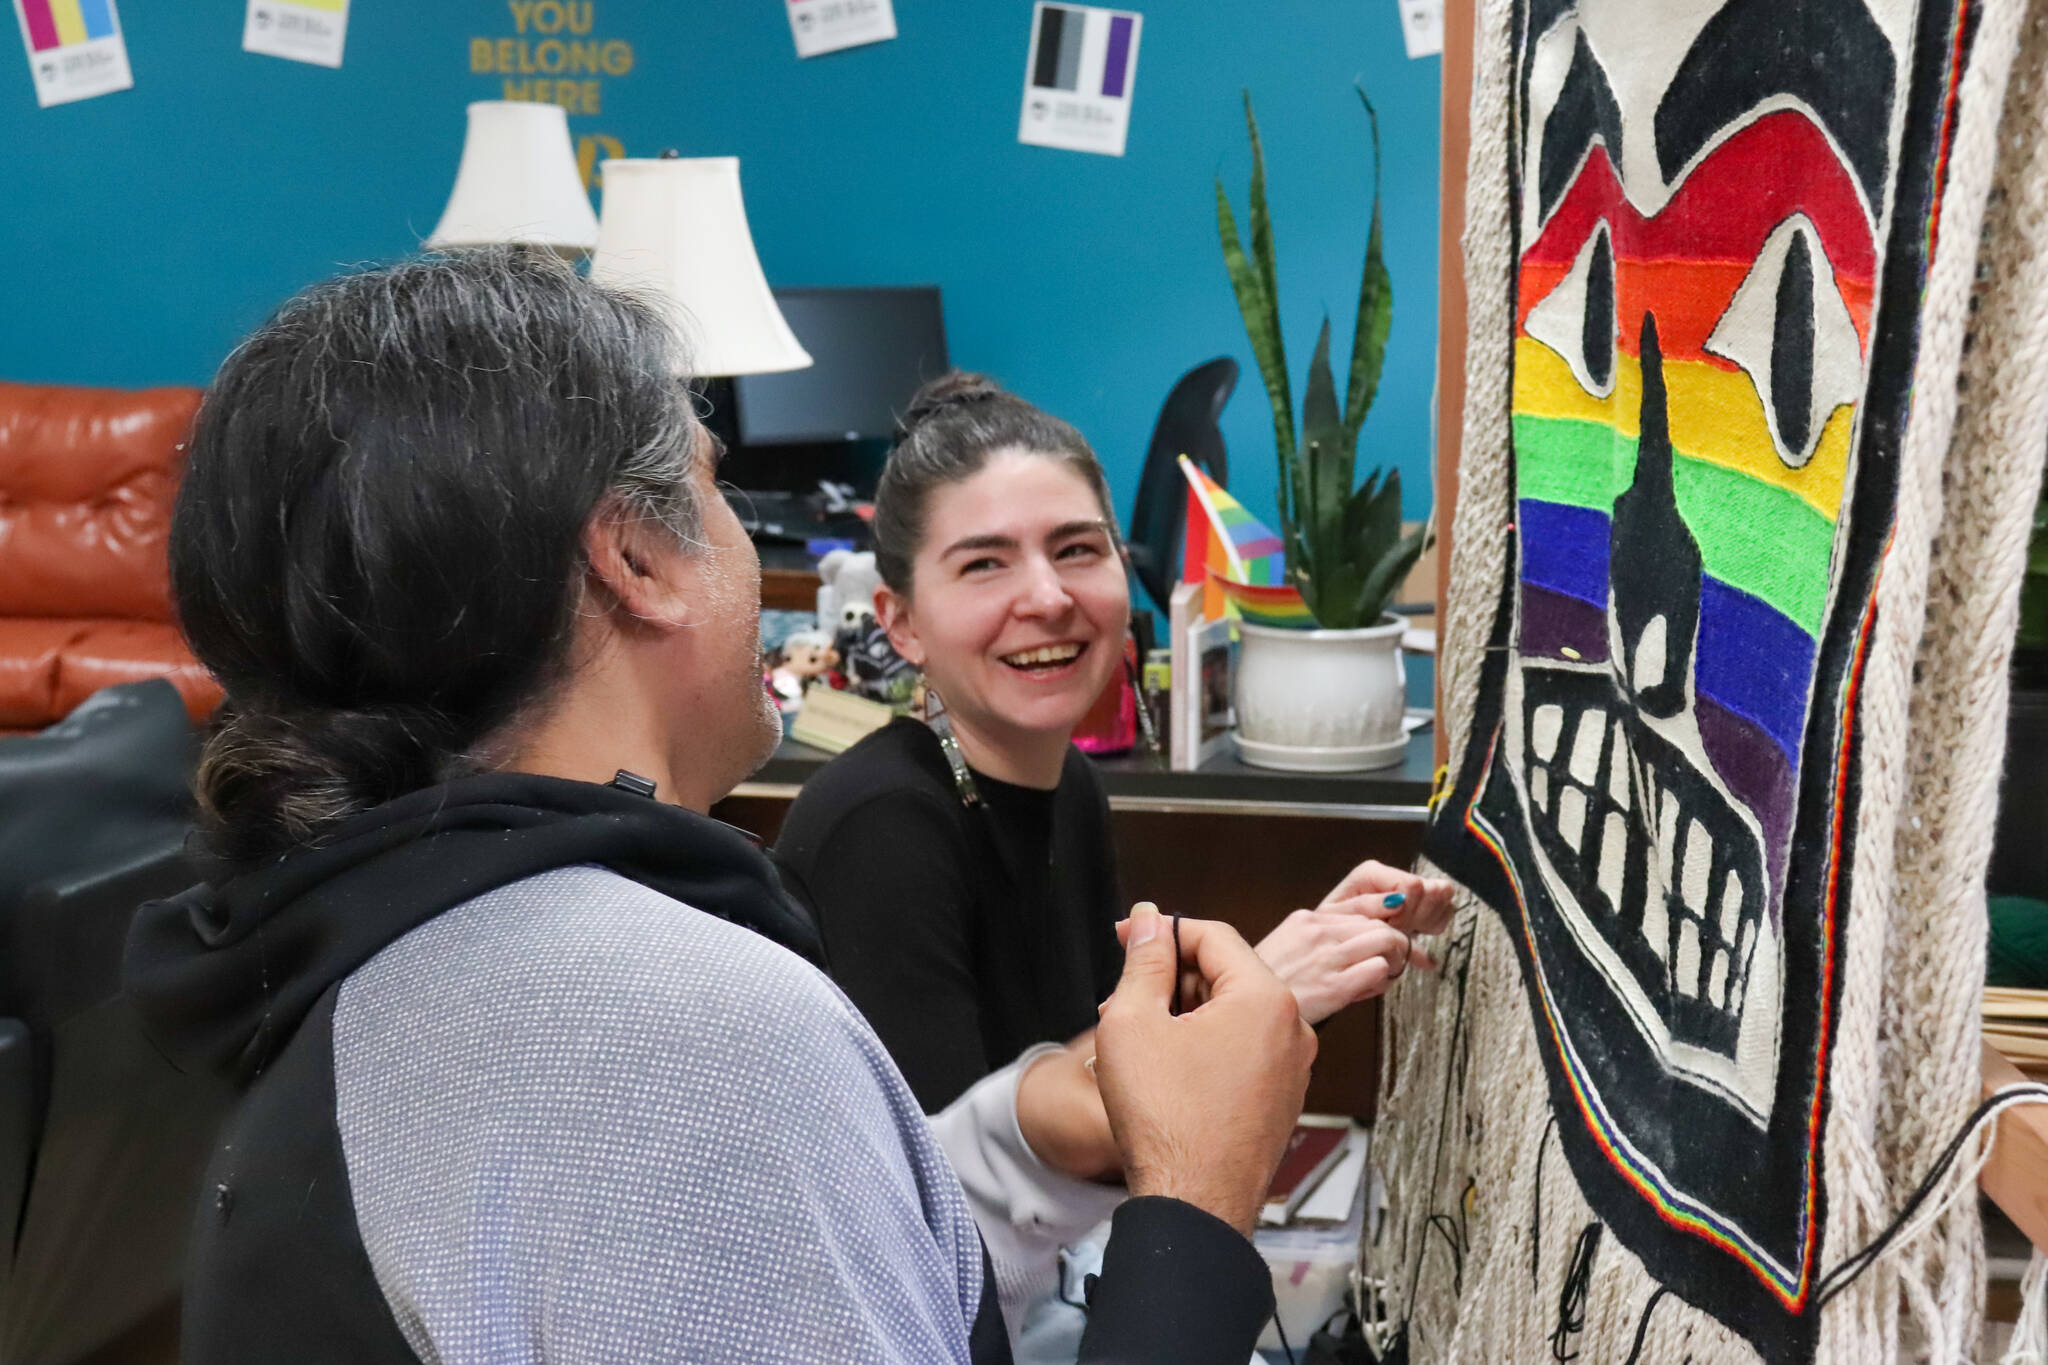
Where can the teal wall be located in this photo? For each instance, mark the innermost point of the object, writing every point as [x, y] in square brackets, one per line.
[141, 233]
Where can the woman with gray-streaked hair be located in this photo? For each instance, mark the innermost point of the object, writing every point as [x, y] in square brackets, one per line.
[535, 1066]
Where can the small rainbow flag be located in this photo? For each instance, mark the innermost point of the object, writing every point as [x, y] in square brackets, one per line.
[1251, 551]
[1238, 558]
[1265, 604]
[1203, 556]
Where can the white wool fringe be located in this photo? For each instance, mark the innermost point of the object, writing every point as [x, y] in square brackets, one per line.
[1484, 1213]
[2029, 1343]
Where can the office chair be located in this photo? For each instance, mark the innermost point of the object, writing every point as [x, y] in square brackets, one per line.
[102, 1141]
[1186, 426]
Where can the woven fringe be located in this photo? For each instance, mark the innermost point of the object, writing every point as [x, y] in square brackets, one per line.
[1905, 1067]
[1485, 507]
[2029, 1344]
[1484, 1213]
[1464, 1102]
[1893, 1105]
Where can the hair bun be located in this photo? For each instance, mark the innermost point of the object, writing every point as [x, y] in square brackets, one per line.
[272, 778]
[953, 389]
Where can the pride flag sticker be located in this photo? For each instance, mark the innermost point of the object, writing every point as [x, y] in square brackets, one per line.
[1078, 77]
[74, 47]
[822, 26]
[313, 31]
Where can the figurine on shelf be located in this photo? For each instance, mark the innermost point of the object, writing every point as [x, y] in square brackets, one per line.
[846, 589]
[873, 667]
[846, 607]
[807, 656]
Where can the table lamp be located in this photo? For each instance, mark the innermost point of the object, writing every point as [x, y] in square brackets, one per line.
[517, 183]
[675, 229]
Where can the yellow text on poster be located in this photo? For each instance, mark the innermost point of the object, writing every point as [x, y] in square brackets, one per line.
[552, 57]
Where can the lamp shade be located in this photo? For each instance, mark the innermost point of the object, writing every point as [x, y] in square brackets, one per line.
[518, 182]
[675, 228]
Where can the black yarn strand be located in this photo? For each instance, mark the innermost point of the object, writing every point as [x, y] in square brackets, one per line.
[1065, 1263]
[1460, 953]
[1443, 1227]
[1175, 1010]
[1578, 1287]
[1282, 1331]
[1536, 1204]
[1838, 1279]
[1643, 1326]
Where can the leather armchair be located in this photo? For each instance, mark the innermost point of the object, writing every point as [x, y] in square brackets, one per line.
[87, 478]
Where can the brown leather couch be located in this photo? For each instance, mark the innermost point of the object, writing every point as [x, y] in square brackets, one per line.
[87, 477]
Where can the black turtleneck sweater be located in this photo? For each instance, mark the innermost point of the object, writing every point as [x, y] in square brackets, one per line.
[965, 934]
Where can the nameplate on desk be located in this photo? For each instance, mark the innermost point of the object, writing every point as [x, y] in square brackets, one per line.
[836, 721]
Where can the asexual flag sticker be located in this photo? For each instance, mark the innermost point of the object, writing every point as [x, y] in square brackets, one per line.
[74, 48]
[1078, 77]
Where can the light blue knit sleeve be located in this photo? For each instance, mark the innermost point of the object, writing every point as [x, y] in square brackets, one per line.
[583, 1122]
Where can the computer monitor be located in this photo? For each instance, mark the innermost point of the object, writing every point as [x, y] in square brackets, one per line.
[870, 348]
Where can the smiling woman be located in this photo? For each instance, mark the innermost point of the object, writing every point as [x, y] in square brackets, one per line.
[1019, 612]
[967, 934]
[967, 891]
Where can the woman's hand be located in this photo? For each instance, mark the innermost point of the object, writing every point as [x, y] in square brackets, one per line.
[1353, 945]
[1201, 1103]
[1414, 905]
[1060, 1113]
[1334, 958]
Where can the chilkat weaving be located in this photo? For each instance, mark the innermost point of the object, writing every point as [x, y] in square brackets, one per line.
[1735, 562]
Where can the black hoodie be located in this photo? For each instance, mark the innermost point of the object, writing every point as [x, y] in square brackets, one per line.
[225, 973]
[243, 976]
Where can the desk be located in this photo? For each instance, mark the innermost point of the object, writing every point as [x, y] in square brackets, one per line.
[789, 577]
[1239, 844]
[1222, 786]
[789, 589]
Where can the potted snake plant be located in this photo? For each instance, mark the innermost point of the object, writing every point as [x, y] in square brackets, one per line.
[1327, 696]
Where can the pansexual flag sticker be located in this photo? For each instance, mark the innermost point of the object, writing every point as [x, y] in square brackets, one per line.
[1078, 78]
[74, 48]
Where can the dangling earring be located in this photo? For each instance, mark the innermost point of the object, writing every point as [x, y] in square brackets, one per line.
[949, 744]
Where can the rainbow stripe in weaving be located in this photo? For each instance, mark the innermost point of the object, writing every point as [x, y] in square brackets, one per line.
[1788, 1285]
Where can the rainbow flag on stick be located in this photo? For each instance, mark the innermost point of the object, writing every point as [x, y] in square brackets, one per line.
[1265, 604]
[1238, 558]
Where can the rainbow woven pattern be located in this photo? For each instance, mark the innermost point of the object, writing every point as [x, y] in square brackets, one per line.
[1714, 341]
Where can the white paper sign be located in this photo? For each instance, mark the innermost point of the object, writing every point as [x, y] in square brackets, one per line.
[1078, 78]
[822, 26]
[1422, 26]
[298, 30]
[75, 49]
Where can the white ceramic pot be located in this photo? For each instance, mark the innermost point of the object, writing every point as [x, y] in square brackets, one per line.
[1321, 700]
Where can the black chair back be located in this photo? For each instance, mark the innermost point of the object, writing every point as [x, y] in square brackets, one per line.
[102, 1141]
[1187, 426]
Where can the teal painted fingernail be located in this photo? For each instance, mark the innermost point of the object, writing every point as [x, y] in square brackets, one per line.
[1395, 901]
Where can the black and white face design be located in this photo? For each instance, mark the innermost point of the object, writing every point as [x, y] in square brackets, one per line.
[1704, 194]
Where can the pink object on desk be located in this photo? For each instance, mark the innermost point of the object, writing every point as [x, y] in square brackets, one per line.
[1111, 725]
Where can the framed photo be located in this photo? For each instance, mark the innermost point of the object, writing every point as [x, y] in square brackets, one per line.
[1204, 673]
